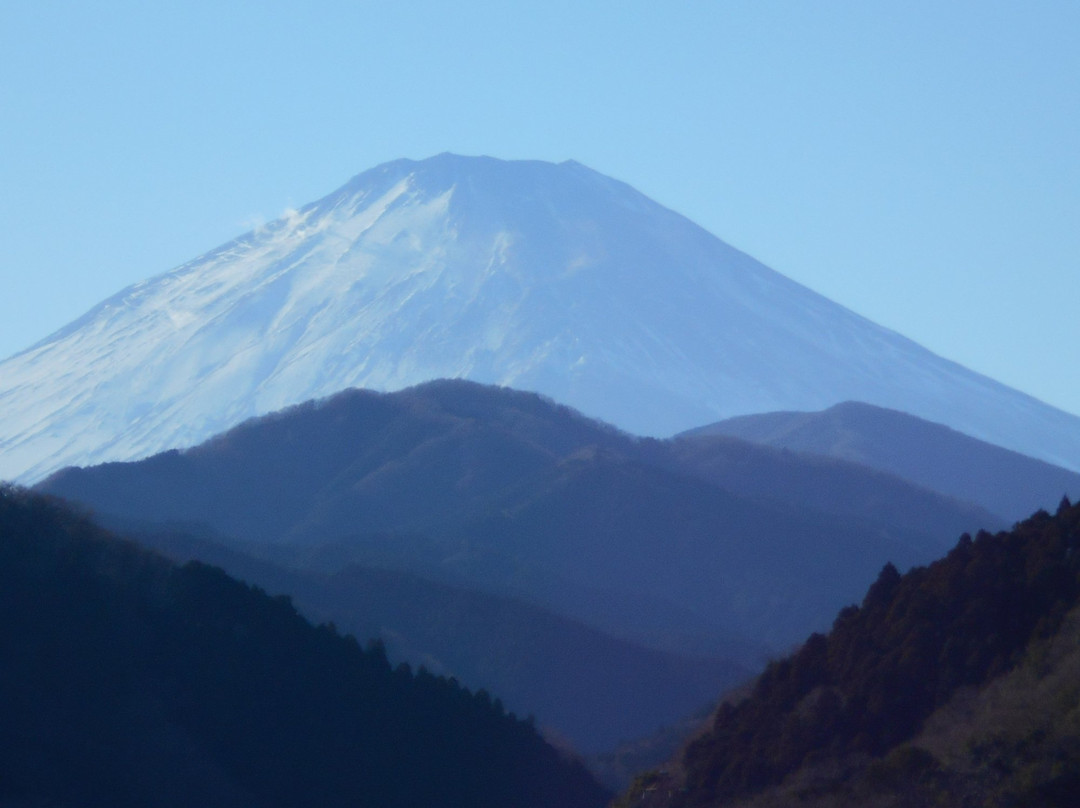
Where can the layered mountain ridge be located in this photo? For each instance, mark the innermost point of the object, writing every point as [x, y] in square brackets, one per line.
[680, 546]
[931, 455]
[576, 680]
[954, 684]
[129, 681]
[546, 277]
[419, 515]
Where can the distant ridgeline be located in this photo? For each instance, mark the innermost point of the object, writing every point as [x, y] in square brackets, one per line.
[956, 684]
[128, 681]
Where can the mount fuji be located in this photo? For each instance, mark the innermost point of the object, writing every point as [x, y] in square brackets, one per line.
[544, 277]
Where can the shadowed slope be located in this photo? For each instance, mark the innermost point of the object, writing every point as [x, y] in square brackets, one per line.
[834, 723]
[928, 454]
[585, 687]
[509, 492]
[128, 681]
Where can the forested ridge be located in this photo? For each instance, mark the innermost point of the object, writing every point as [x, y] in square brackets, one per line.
[849, 718]
[575, 679]
[128, 680]
[704, 542]
[929, 454]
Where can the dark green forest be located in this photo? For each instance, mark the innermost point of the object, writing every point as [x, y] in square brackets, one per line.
[891, 707]
[130, 681]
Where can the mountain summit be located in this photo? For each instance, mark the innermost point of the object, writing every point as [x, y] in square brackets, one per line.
[544, 277]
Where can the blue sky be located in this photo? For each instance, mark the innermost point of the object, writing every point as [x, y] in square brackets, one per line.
[918, 162]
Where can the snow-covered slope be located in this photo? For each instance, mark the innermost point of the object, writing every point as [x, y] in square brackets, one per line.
[538, 276]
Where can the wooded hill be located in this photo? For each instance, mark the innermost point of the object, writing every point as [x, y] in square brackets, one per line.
[696, 558]
[927, 454]
[576, 680]
[129, 681]
[676, 545]
[954, 684]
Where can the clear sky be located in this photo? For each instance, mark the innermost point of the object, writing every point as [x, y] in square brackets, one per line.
[918, 162]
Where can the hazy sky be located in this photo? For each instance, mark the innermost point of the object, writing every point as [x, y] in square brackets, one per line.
[918, 162]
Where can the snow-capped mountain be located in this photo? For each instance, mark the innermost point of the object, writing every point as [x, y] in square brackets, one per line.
[544, 277]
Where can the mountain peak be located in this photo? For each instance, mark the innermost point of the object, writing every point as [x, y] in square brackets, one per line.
[542, 276]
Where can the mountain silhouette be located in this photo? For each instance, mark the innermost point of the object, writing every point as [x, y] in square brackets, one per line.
[508, 492]
[927, 454]
[544, 277]
[130, 681]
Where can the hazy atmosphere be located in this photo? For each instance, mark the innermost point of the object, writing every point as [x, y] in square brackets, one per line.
[917, 163]
[540, 405]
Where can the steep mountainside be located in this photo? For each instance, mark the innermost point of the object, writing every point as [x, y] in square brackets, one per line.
[128, 681]
[506, 491]
[583, 686]
[545, 277]
[951, 685]
[928, 454]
